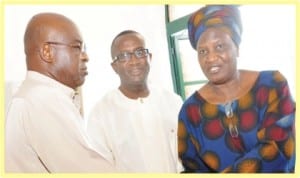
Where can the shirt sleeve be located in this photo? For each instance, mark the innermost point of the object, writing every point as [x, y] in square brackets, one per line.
[188, 147]
[52, 139]
[19, 155]
[97, 134]
[179, 103]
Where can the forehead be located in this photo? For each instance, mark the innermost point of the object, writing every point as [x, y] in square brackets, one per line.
[128, 41]
[214, 35]
[67, 31]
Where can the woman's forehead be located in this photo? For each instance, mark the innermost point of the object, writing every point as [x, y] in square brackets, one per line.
[212, 34]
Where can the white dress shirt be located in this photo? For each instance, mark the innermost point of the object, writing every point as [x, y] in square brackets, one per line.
[45, 132]
[137, 135]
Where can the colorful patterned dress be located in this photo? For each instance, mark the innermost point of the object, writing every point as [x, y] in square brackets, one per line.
[263, 142]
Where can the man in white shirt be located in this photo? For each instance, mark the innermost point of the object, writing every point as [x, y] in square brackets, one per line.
[44, 129]
[135, 126]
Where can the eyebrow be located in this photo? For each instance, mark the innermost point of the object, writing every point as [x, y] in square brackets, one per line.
[77, 41]
[127, 51]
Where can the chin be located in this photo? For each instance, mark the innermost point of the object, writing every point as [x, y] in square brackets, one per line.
[215, 81]
[80, 83]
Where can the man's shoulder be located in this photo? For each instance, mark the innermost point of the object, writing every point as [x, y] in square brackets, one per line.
[165, 91]
[110, 94]
[167, 94]
[108, 97]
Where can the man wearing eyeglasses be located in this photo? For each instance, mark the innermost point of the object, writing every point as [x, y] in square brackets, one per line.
[44, 128]
[135, 125]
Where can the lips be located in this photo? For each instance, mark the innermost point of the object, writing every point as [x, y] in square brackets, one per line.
[214, 69]
[136, 71]
[84, 70]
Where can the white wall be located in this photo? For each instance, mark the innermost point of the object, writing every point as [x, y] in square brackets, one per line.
[268, 41]
[98, 24]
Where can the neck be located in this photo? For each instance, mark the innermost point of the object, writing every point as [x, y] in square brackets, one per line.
[229, 90]
[135, 92]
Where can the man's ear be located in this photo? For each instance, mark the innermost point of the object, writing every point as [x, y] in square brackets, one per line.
[46, 53]
[114, 66]
[150, 57]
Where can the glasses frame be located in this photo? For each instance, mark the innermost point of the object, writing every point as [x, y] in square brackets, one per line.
[130, 54]
[81, 47]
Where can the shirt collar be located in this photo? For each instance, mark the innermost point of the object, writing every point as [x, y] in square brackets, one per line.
[50, 82]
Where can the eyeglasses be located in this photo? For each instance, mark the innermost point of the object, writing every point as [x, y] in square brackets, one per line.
[81, 47]
[126, 56]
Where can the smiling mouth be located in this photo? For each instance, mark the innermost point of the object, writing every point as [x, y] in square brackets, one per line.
[135, 71]
[214, 70]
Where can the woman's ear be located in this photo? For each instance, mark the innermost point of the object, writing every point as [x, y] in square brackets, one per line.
[46, 53]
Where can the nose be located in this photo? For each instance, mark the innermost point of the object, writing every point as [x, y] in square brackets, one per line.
[211, 56]
[84, 57]
[133, 59]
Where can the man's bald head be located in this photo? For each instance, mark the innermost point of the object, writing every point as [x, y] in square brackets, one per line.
[45, 27]
[53, 47]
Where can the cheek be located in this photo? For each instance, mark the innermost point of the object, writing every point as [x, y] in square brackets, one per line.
[69, 66]
[147, 67]
[232, 59]
[121, 71]
[233, 54]
[75, 69]
[201, 64]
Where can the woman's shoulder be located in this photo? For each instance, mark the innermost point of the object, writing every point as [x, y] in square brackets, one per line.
[270, 77]
[264, 76]
[267, 79]
[249, 73]
[198, 96]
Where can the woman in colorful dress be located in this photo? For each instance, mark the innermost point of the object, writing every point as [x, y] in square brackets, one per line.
[241, 120]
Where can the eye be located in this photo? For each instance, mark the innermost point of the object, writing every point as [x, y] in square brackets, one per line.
[124, 56]
[76, 46]
[202, 52]
[140, 53]
[219, 46]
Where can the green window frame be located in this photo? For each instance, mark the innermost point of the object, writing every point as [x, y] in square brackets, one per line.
[173, 30]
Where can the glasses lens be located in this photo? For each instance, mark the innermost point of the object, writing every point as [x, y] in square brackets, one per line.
[124, 56]
[83, 47]
[140, 53]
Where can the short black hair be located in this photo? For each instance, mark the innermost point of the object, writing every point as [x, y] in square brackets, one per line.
[125, 32]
